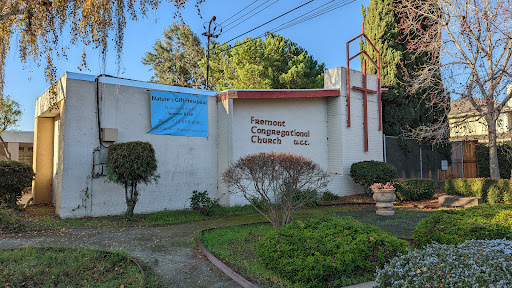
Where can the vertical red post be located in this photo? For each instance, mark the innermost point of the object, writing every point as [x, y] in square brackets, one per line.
[348, 86]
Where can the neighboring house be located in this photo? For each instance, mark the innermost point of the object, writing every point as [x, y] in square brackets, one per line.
[466, 124]
[20, 145]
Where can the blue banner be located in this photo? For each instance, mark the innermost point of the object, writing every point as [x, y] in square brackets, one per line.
[179, 114]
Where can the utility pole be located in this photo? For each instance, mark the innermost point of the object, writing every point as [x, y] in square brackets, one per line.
[210, 34]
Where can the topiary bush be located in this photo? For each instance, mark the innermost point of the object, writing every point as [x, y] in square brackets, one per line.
[129, 164]
[14, 177]
[368, 172]
[414, 189]
[483, 222]
[475, 263]
[328, 252]
[479, 187]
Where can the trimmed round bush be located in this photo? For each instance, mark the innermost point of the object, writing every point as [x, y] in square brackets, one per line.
[483, 222]
[475, 263]
[130, 164]
[368, 172]
[328, 252]
[414, 189]
[14, 177]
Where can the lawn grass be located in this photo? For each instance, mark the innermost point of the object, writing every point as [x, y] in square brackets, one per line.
[44, 217]
[67, 267]
[236, 245]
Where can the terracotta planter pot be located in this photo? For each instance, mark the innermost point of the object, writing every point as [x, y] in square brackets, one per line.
[384, 199]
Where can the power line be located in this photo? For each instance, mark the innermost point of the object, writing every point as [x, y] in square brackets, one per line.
[239, 12]
[302, 18]
[252, 15]
[227, 25]
[271, 20]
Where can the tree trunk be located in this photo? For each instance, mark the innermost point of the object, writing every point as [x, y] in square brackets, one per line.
[4, 145]
[493, 150]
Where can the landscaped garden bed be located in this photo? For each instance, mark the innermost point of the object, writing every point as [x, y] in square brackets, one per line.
[237, 246]
[66, 267]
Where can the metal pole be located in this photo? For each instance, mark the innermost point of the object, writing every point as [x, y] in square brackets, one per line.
[421, 164]
[385, 152]
[209, 35]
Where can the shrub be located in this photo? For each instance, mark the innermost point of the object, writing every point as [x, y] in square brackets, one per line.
[414, 189]
[368, 172]
[330, 197]
[277, 180]
[475, 263]
[129, 164]
[479, 187]
[483, 222]
[328, 252]
[310, 198]
[202, 203]
[14, 177]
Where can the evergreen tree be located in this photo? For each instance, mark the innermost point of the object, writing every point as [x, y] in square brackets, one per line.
[271, 63]
[175, 59]
[402, 109]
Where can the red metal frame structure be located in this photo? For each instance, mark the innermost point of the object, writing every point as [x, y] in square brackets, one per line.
[364, 89]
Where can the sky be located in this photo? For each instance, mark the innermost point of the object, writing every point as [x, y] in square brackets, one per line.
[324, 38]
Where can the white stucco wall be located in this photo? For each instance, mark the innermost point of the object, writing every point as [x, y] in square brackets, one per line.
[306, 115]
[196, 163]
[350, 139]
[184, 163]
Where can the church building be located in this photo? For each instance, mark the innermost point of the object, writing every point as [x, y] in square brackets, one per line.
[196, 134]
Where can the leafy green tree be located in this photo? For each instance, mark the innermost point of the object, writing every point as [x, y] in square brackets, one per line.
[175, 58]
[130, 164]
[270, 63]
[39, 26]
[10, 114]
[402, 108]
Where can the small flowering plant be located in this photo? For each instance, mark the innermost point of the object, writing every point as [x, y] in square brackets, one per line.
[474, 263]
[388, 185]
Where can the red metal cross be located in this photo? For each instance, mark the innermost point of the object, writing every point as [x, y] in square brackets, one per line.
[365, 91]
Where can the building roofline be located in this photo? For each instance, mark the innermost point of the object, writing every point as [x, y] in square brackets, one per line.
[276, 93]
[137, 83]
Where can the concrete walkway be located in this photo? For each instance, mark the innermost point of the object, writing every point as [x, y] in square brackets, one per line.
[169, 251]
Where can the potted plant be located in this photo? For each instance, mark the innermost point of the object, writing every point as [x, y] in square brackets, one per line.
[384, 195]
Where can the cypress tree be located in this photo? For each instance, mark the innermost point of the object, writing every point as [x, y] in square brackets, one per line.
[401, 110]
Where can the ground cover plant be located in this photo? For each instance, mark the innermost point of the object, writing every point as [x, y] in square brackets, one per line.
[456, 226]
[66, 267]
[237, 245]
[328, 252]
[474, 263]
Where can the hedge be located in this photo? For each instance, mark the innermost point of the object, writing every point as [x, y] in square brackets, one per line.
[483, 222]
[368, 172]
[14, 178]
[328, 252]
[491, 190]
[482, 156]
[414, 189]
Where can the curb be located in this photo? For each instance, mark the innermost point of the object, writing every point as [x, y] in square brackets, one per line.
[223, 267]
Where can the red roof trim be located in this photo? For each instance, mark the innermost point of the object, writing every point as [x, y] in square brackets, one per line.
[266, 94]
